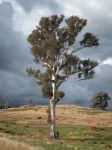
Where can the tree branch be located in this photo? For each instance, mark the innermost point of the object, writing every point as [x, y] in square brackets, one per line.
[63, 54]
[38, 81]
[77, 49]
[44, 64]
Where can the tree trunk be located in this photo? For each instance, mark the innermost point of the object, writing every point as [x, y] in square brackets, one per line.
[52, 111]
[52, 106]
[49, 113]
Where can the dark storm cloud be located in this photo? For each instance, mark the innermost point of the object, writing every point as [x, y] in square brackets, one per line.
[81, 92]
[103, 79]
[14, 57]
[11, 43]
[28, 5]
[77, 93]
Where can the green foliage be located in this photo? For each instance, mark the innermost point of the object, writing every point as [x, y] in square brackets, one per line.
[53, 46]
[89, 40]
[100, 100]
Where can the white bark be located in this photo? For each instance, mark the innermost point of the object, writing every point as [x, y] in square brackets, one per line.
[52, 106]
[53, 86]
[52, 111]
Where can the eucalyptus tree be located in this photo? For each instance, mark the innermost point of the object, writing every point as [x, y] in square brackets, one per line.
[100, 100]
[54, 45]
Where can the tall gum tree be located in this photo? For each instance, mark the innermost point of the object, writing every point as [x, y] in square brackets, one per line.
[54, 46]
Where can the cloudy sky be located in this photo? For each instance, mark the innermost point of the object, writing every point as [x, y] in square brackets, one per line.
[19, 17]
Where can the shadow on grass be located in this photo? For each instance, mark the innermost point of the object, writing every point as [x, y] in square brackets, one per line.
[86, 139]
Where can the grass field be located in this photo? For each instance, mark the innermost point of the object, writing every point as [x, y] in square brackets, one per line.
[79, 128]
[7, 144]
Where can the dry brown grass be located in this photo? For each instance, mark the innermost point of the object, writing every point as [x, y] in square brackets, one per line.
[70, 114]
[65, 114]
[7, 144]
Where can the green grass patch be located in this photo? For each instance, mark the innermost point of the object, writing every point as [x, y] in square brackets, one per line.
[25, 130]
[70, 137]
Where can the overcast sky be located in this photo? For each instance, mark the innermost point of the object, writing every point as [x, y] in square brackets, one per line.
[19, 17]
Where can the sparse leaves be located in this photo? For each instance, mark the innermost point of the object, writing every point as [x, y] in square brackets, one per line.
[51, 43]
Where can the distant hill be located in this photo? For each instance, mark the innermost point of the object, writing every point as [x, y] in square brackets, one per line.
[65, 114]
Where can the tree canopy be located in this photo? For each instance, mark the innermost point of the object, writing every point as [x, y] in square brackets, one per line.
[100, 100]
[53, 43]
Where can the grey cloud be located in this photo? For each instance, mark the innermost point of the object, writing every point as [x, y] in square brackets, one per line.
[99, 22]
[81, 92]
[103, 79]
[6, 12]
[14, 53]
[14, 57]
[99, 16]
[28, 5]
[76, 92]
[18, 87]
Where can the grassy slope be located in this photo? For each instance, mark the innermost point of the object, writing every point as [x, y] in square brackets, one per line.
[83, 129]
[7, 144]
